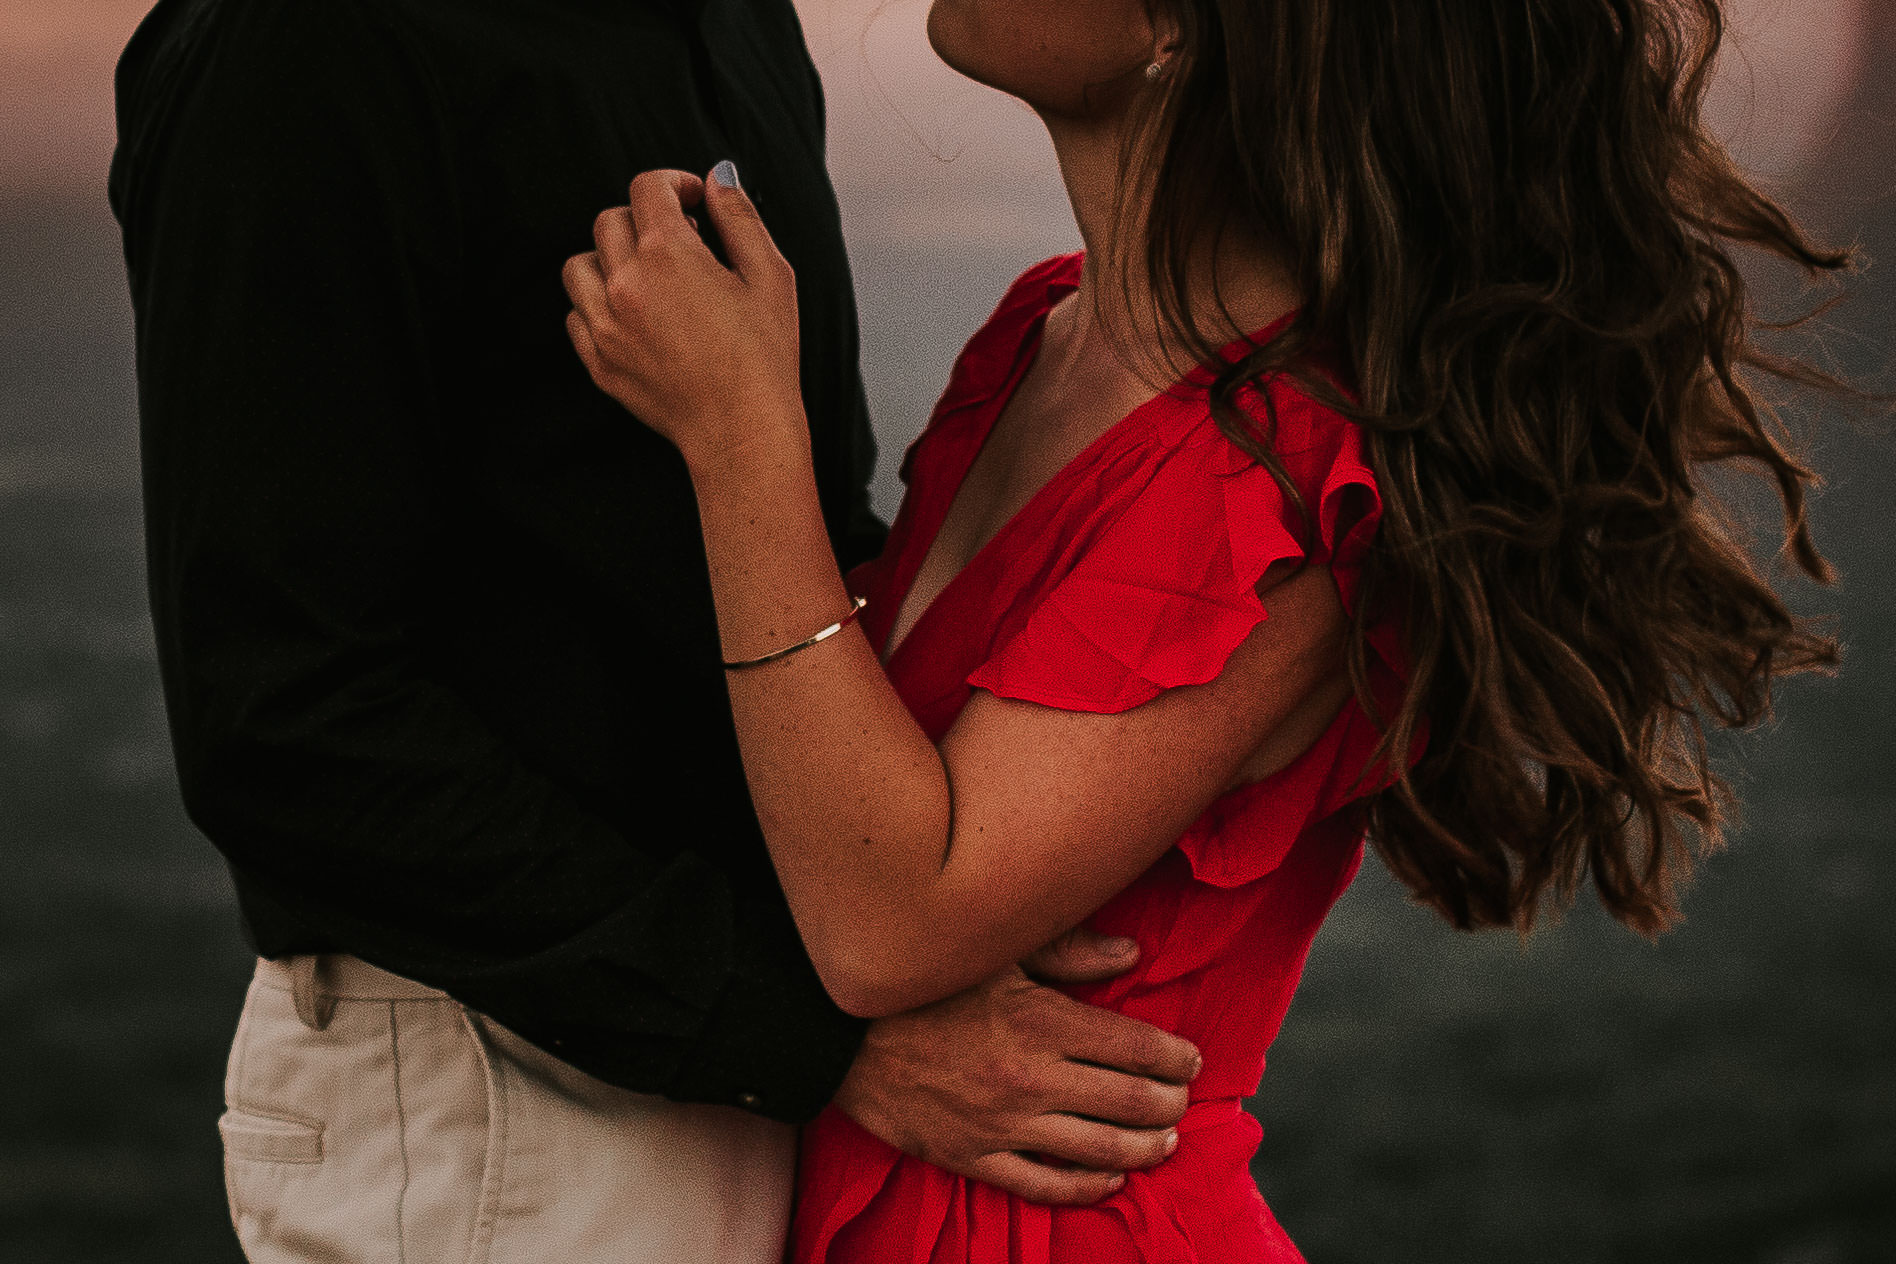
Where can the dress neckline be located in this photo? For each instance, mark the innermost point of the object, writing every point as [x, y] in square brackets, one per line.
[1026, 352]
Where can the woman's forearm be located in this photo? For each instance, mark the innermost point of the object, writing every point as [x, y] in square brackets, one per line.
[913, 872]
[853, 797]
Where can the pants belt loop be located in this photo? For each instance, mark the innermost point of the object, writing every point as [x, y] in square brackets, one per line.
[313, 1005]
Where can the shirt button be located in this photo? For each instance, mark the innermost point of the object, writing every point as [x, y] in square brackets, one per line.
[750, 1101]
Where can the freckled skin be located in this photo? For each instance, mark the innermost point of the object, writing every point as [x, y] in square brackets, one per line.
[1065, 58]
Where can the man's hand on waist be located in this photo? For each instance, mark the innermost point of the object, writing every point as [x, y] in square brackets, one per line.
[980, 1081]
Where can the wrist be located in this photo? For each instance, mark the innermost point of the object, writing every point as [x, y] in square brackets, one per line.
[774, 437]
[858, 1095]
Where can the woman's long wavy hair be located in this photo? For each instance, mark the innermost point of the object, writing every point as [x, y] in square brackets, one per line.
[1509, 220]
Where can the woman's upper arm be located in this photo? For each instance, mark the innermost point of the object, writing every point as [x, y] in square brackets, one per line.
[1056, 811]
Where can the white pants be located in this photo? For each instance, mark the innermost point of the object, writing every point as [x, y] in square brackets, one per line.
[373, 1119]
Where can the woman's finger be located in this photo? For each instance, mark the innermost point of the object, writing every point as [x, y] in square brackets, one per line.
[616, 238]
[659, 202]
[581, 334]
[586, 287]
[747, 244]
[604, 374]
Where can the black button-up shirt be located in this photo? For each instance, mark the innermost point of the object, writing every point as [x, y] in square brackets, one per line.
[432, 612]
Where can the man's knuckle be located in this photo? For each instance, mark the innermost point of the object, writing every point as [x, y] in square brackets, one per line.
[1152, 1050]
[1016, 1078]
[1092, 1152]
[1035, 1028]
[1030, 1179]
[1054, 1191]
[1072, 1189]
[1154, 1148]
[1012, 1124]
[1041, 1008]
[1036, 1188]
[1075, 1036]
[1130, 1102]
[1117, 1150]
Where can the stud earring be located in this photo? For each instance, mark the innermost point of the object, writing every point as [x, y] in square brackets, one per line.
[1153, 72]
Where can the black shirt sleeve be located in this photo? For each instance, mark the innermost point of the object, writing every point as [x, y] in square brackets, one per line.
[285, 186]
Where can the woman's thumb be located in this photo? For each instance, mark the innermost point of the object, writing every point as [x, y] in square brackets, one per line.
[746, 241]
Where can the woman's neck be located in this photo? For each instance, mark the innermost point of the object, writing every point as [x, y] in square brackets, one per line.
[1238, 288]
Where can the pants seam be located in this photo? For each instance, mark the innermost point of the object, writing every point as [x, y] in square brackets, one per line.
[494, 1162]
[401, 1135]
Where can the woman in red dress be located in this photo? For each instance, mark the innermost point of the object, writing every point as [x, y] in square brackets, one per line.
[1416, 550]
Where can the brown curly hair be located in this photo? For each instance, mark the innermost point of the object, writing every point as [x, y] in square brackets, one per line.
[1509, 222]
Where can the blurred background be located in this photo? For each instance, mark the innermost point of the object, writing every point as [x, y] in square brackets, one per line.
[1726, 1096]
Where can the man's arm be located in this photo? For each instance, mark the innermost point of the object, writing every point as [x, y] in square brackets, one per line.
[291, 231]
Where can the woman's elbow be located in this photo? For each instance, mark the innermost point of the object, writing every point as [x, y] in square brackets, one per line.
[866, 1002]
[870, 984]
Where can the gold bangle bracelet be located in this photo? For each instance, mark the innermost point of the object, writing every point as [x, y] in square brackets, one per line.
[818, 639]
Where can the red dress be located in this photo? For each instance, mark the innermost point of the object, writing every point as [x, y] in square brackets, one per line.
[1130, 572]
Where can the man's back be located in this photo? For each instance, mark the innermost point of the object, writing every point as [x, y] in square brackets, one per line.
[432, 611]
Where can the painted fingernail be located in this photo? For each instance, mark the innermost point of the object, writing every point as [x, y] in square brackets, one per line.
[725, 173]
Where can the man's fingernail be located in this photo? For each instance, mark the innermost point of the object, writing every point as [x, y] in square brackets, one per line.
[1198, 1064]
[1118, 1180]
[725, 173]
[1171, 1140]
[1119, 946]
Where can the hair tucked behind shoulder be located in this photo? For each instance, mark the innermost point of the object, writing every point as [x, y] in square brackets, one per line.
[1508, 220]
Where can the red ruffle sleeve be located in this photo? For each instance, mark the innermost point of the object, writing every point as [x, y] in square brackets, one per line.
[1165, 593]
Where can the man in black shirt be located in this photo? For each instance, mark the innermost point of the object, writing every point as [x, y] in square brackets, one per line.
[436, 633]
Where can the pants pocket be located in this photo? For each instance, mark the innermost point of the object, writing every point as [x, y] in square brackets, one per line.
[266, 1139]
[313, 1160]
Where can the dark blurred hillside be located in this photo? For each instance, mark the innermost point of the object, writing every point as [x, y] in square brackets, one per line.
[120, 963]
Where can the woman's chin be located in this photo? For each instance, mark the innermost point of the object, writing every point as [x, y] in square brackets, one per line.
[954, 33]
[948, 36]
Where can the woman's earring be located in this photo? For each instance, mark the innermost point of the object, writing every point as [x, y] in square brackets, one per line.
[1154, 71]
